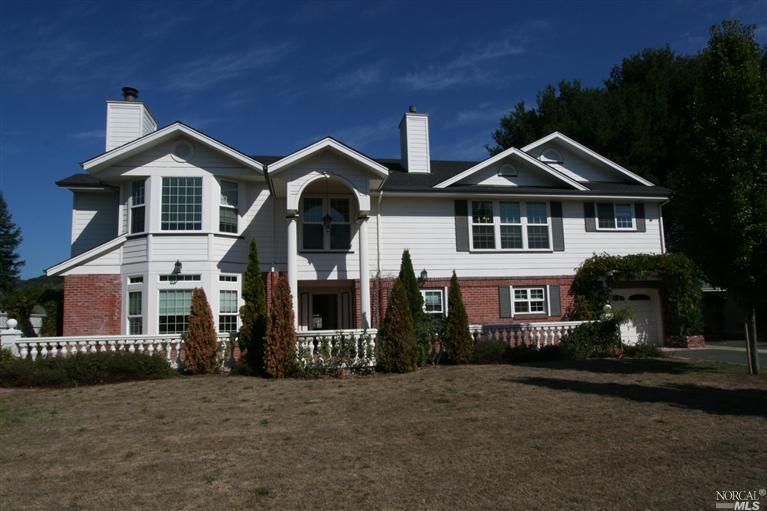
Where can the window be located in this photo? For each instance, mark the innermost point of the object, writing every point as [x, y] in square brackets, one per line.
[227, 211]
[179, 278]
[530, 300]
[510, 225]
[227, 278]
[482, 230]
[175, 306]
[181, 204]
[137, 207]
[433, 301]
[227, 313]
[615, 216]
[315, 236]
[135, 320]
[136, 280]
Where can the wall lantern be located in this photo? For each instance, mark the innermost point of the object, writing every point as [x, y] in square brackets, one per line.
[176, 271]
[424, 275]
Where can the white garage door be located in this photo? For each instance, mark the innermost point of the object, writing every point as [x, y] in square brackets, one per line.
[644, 325]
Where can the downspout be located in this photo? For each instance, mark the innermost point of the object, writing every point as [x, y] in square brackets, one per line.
[378, 250]
[662, 230]
[274, 212]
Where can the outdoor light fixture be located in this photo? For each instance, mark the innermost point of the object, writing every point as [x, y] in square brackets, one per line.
[176, 272]
[424, 275]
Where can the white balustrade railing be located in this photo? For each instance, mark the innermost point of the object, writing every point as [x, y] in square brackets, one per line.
[539, 334]
[336, 348]
[168, 345]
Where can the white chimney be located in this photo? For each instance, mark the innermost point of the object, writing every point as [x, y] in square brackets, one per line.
[414, 142]
[128, 119]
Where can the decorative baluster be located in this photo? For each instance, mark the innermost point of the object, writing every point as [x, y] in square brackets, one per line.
[131, 346]
[150, 348]
[23, 350]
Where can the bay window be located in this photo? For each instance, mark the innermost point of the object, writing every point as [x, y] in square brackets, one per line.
[181, 204]
[510, 225]
[135, 317]
[615, 216]
[137, 207]
[227, 211]
[175, 306]
[227, 311]
[326, 223]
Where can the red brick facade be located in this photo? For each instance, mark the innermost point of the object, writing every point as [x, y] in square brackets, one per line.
[480, 296]
[92, 304]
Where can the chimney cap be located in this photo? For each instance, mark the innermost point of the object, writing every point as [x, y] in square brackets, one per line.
[412, 109]
[130, 93]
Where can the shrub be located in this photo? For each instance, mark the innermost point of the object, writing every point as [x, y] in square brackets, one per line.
[280, 340]
[458, 342]
[592, 340]
[83, 369]
[530, 353]
[396, 346]
[254, 314]
[490, 352]
[642, 351]
[422, 325]
[201, 339]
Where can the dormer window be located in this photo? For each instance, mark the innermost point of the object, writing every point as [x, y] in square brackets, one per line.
[181, 204]
[137, 207]
[227, 212]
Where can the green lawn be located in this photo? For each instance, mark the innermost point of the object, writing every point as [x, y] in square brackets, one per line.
[599, 434]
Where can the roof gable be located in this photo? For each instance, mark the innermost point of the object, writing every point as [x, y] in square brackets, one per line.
[513, 153]
[588, 153]
[94, 165]
[328, 143]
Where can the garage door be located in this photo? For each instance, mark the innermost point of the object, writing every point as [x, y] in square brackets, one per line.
[644, 325]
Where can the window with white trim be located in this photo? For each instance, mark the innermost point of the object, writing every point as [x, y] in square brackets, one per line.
[615, 216]
[510, 225]
[181, 204]
[135, 316]
[433, 301]
[175, 306]
[313, 215]
[530, 300]
[227, 211]
[227, 311]
[137, 207]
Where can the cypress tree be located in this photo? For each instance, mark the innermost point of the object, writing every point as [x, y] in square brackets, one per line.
[10, 237]
[396, 345]
[280, 340]
[201, 340]
[458, 343]
[421, 322]
[254, 314]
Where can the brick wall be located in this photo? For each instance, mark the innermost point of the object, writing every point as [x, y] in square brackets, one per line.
[92, 305]
[480, 296]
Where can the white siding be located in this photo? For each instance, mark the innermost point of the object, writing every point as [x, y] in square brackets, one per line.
[427, 228]
[193, 247]
[527, 175]
[581, 168]
[94, 219]
[135, 250]
[414, 137]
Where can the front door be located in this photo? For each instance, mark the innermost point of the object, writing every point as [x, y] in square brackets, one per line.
[324, 312]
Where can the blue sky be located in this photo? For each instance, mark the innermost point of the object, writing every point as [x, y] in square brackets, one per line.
[267, 78]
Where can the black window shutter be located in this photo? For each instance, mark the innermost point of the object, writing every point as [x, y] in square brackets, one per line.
[640, 218]
[557, 230]
[504, 298]
[461, 226]
[588, 215]
[555, 301]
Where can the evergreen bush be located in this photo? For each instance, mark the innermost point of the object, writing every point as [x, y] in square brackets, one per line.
[397, 351]
[201, 339]
[280, 340]
[422, 324]
[254, 316]
[458, 344]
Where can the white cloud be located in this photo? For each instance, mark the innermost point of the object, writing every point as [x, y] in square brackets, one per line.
[362, 135]
[482, 113]
[356, 81]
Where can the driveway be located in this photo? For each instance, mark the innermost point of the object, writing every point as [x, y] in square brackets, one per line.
[731, 352]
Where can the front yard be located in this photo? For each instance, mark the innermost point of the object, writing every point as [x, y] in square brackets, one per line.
[595, 434]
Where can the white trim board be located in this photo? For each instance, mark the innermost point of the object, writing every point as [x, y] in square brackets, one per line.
[512, 151]
[85, 256]
[582, 148]
[326, 143]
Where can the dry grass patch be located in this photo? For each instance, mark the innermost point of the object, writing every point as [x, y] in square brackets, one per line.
[599, 434]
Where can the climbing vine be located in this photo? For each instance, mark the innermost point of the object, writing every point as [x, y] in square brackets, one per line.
[680, 286]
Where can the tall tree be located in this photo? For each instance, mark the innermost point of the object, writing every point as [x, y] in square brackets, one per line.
[254, 313]
[721, 191]
[280, 341]
[396, 344]
[201, 339]
[458, 342]
[10, 237]
[421, 322]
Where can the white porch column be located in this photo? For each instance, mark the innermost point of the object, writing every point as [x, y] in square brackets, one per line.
[292, 254]
[364, 273]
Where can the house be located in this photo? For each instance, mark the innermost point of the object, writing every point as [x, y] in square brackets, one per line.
[165, 210]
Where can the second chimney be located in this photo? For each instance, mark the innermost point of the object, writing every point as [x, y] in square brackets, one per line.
[414, 141]
[127, 119]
